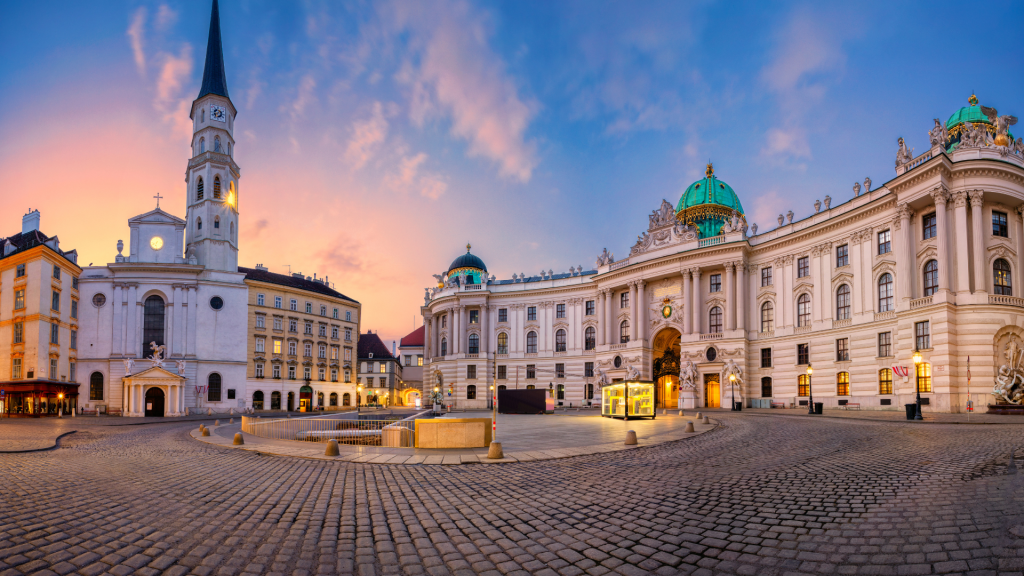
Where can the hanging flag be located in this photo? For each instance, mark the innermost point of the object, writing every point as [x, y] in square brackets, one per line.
[901, 371]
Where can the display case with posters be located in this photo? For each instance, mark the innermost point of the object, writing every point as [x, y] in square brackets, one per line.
[628, 400]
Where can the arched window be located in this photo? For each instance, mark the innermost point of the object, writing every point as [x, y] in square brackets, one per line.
[590, 338]
[531, 342]
[624, 332]
[767, 317]
[320, 399]
[471, 392]
[216, 221]
[715, 321]
[803, 385]
[213, 389]
[502, 343]
[843, 384]
[803, 310]
[334, 399]
[152, 324]
[885, 293]
[199, 223]
[216, 186]
[444, 346]
[96, 386]
[231, 191]
[885, 381]
[199, 188]
[474, 344]
[346, 399]
[257, 400]
[931, 277]
[560, 340]
[842, 303]
[216, 143]
[1001, 277]
[202, 145]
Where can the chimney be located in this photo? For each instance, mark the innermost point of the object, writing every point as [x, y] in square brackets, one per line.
[30, 221]
[261, 267]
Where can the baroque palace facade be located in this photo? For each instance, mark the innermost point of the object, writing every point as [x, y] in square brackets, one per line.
[927, 262]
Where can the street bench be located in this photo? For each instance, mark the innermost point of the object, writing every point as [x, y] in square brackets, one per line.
[778, 404]
[849, 405]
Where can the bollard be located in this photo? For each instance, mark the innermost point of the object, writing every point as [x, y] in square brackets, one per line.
[689, 427]
[238, 439]
[216, 422]
[209, 411]
[332, 448]
[681, 413]
[206, 431]
[494, 452]
[706, 420]
[631, 438]
[201, 427]
[699, 416]
[232, 421]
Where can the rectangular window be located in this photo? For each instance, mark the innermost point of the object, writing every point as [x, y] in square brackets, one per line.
[334, 332]
[383, 367]
[259, 369]
[321, 374]
[842, 255]
[922, 335]
[277, 371]
[716, 283]
[56, 272]
[843, 350]
[260, 299]
[53, 368]
[531, 371]
[291, 372]
[766, 276]
[885, 242]
[559, 370]
[803, 267]
[72, 372]
[383, 382]
[531, 313]
[19, 299]
[19, 332]
[502, 372]
[502, 314]
[74, 309]
[54, 333]
[293, 325]
[309, 328]
[928, 226]
[348, 316]
[471, 372]
[291, 348]
[408, 360]
[323, 331]
[803, 385]
[323, 310]
[277, 346]
[348, 354]
[55, 301]
[334, 374]
[885, 381]
[277, 301]
[624, 300]
[19, 271]
[334, 352]
[474, 316]
[74, 340]
[261, 321]
[419, 360]
[589, 308]
[766, 387]
[309, 307]
[348, 334]
[843, 384]
[74, 283]
[277, 323]
[559, 310]
[999, 226]
[293, 304]
[803, 354]
[307, 373]
[884, 344]
[260, 344]
[16, 369]
[336, 317]
[924, 377]
[231, 393]
[766, 357]
[348, 377]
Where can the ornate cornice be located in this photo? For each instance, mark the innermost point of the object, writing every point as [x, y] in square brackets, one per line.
[940, 194]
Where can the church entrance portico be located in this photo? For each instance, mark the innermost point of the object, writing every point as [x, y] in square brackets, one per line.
[154, 402]
[153, 392]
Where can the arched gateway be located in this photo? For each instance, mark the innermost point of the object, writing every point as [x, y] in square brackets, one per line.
[665, 368]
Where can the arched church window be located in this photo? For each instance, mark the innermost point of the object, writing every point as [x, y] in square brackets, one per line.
[1001, 277]
[931, 277]
[213, 388]
[96, 386]
[229, 148]
[216, 221]
[216, 143]
[199, 223]
[152, 324]
[589, 338]
[199, 188]
[232, 231]
[202, 145]
[202, 115]
[216, 186]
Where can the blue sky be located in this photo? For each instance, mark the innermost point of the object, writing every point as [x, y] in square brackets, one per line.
[376, 139]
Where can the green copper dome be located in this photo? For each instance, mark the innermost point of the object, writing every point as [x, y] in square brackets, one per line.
[707, 204]
[970, 114]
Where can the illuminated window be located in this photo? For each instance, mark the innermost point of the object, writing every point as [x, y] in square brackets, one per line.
[924, 377]
[502, 343]
[1001, 277]
[803, 385]
[843, 384]
[885, 381]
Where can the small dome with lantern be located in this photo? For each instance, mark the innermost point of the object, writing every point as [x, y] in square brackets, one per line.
[708, 204]
[469, 266]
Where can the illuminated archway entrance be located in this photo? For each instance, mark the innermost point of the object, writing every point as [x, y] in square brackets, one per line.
[665, 351]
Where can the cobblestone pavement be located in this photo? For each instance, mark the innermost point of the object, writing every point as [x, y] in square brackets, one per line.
[756, 496]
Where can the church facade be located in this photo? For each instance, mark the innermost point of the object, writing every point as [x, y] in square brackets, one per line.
[831, 308]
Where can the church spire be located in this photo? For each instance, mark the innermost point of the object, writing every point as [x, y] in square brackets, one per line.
[214, 79]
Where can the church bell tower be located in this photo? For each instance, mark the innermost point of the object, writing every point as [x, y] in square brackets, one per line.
[211, 233]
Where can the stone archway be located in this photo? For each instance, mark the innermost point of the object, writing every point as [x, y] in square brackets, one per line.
[665, 351]
[154, 402]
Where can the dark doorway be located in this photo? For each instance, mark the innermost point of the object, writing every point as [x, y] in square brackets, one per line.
[291, 401]
[154, 402]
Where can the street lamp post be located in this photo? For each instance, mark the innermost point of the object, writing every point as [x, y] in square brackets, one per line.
[732, 385]
[810, 390]
[917, 384]
[359, 398]
[60, 405]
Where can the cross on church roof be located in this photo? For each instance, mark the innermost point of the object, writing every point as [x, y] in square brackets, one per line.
[158, 197]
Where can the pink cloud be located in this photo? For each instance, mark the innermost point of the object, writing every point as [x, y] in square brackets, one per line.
[135, 35]
[367, 136]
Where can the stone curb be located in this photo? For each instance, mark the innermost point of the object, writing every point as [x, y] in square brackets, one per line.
[445, 459]
[56, 444]
[884, 420]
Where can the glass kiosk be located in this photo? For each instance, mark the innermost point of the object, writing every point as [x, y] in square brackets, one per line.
[628, 400]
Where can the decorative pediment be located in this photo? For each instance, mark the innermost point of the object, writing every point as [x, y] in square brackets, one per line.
[156, 216]
[561, 324]
[154, 374]
[716, 301]
[841, 277]
[1002, 250]
[889, 263]
[805, 285]
[929, 251]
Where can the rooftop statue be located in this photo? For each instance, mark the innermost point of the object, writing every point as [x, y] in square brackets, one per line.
[867, 184]
[903, 155]
[1002, 124]
[856, 189]
[938, 135]
[605, 258]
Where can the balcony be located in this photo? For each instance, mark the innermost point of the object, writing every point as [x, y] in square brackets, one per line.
[763, 335]
[802, 329]
[889, 315]
[621, 346]
[921, 302]
[712, 336]
[619, 264]
[842, 323]
[712, 241]
[1005, 300]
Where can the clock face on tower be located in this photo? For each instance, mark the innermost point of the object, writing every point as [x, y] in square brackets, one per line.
[217, 113]
[156, 243]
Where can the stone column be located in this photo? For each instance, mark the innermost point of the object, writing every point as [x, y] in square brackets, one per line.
[542, 321]
[126, 399]
[609, 296]
[572, 339]
[190, 328]
[632, 311]
[784, 269]
[857, 290]
[904, 252]
[868, 249]
[1018, 233]
[963, 273]
[978, 236]
[178, 348]
[484, 331]
[641, 310]
[602, 319]
[463, 329]
[729, 322]
[687, 304]
[118, 322]
[131, 343]
[741, 296]
[820, 286]
[698, 307]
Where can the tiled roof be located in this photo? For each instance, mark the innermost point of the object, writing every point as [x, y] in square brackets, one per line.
[540, 278]
[414, 338]
[292, 282]
[24, 241]
[370, 342]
